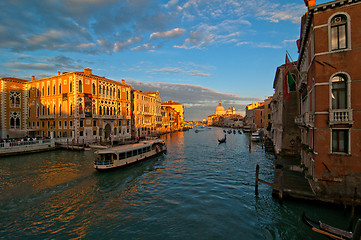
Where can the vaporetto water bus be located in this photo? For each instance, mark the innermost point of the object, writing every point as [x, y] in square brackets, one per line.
[124, 155]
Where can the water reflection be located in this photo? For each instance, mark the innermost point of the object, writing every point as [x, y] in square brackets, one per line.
[200, 189]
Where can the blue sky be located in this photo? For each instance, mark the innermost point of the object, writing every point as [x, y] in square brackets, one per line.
[196, 52]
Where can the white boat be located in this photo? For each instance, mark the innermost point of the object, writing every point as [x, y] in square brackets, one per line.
[256, 137]
[128, 154]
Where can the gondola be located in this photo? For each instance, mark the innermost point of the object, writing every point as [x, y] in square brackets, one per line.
[327, 230]
[223, 140]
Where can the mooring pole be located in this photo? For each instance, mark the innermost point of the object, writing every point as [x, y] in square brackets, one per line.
[256, 185]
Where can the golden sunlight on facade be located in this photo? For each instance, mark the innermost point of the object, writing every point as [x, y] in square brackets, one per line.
[79, 105]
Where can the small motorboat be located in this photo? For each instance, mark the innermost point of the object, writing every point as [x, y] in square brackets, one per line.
[223, 140]
[332, 232]
[196, 131]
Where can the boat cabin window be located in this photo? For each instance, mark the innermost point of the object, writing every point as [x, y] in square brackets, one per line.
[135, 153]
[121, 155]
[107, 157]
[144, 150]
[129, 154]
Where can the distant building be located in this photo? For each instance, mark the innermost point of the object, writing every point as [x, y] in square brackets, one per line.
[284, 132]
[147, 117]
[254, 115]
[178, 108]
[224, 118]
[267, 116]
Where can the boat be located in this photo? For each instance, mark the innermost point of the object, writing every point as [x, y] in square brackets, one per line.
[256, 137]
[327, 230]
[234, 131]
[224, 131]
[196, 131]
[124, 155]
[223, 140]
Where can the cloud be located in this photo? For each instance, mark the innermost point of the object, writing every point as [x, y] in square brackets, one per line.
[38, 66]
[180, 70]
[174, 33]
[119, 46]
[198, 100]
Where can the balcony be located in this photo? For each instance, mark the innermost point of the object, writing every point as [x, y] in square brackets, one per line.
[43, 117]
[306, 119]
[340, 116]
[104, 116]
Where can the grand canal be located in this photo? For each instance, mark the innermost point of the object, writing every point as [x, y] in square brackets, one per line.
[199, 190]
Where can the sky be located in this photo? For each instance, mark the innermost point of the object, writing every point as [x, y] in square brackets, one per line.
[195, 52]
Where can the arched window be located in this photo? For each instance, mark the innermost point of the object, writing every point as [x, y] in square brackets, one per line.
[107, 91]
[118, 93]
[94, 89]
[339, 92]
[110, 92]
[80, 108]
[71, 109]
[60, 110]
[71, 86]
[80, 85]
[53, 89]
[59, 88]
[48, 90]
[100, 110]
[42, 91]
[54, 109]
[339, 32]
[100, 90]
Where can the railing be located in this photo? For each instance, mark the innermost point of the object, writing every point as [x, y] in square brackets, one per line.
[51, 116]
[340, 116]
[23, 143]
[306, 119]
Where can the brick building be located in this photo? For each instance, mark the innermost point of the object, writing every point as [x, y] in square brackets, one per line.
[329, 85]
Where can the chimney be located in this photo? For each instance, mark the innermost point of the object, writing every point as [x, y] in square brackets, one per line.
[32, 78]
[310, 3]
[58, 73]
[123, 81]
[88, 71]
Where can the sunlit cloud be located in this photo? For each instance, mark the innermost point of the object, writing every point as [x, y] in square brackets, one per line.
[176, 32]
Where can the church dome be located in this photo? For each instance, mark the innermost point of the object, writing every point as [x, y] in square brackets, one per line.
[220, 110]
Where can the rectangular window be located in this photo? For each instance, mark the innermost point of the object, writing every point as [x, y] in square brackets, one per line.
[94, 133]
[71, 123]
[81, 123]
[94, 123]
[81, 133]
[340, 141]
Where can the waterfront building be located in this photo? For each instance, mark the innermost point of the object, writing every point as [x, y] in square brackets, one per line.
[224, 118]
[13, 108]
[178, 108]
[220, 109]
[170, 120]
[330, 111]
[254, 115]
[146, 117]
[78, 105]
[267, 116]
[284, 108]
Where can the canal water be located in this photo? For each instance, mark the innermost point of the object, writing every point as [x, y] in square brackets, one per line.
[199, 190]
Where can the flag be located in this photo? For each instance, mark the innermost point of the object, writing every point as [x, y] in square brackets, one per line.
[289, 81]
